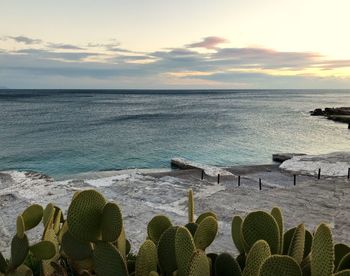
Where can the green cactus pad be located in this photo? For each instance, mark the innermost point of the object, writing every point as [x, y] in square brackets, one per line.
[166, 251]
[153, 273]
[340, 250]
[112, 222]
[322, 254]
[32, 216]
[280, 265]
[184, 249]
[241, 259]
[57, 220]
[296, 247]
[206, 233]
[22, 270]
[308, 243]
[76, 249]
[50, 235]
[306, 266]
[3, 264]
[226, 265]
[85, 215]
[108, 260]
[146, 260]
[121, 244]
[287, 238]
[19, 250]
[20, 228]
[190, 206]
[43, 250]
[236, 233]
[157, 226]
[192, 227]
[260, 225]
[344, 263]
[278, 216]
[199, 265]
[259, 252]
[205, 215]
[48, 213]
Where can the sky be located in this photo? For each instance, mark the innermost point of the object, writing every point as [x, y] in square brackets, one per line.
[178, 44]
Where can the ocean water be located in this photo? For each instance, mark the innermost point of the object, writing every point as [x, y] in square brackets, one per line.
[66, 132]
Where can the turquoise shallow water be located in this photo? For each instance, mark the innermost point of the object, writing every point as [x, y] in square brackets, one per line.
[64, 132]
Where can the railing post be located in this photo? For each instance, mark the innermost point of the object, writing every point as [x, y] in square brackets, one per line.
[218, 178]
[319, 173]
[239, 180]
[260, 184]
[202, 176]
[295, 179]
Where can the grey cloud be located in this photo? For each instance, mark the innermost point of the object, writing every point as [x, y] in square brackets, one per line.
[209, 42]
[64, 46]
[25, 39]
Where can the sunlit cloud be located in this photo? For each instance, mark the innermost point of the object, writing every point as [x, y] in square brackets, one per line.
[210, 42]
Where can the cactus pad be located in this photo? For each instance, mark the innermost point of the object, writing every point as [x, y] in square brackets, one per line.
[236, 233]
[199, 265]
[308, 243]
[153, 273]
[76, 249]
[32, 216]
[3, 264]
[108, 260]
[157, 226]
[190, 206]
[280, 265]
[192, 227]
[112, 222]
[19, 250]
[278, 216]
[206, 233]
[184, 249]
[226, 265]
[20, 228]
[296, 247]
[259, 252]
[85, 215]
[260, 225]
[204, 215]
[344, 263]
[287, 238]
[322, 254]
[340, 250]
[166, 251]
[343, 273]
[43, 250]
[146, 260]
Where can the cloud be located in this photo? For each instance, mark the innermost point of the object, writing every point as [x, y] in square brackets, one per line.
[64, 46]
[209, 42]
[25, 40]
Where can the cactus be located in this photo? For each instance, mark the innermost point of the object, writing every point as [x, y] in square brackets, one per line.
[278, 216]
[190, 206]
[50, 235]
[340, 250]
[280, 265]
[204, 215]
[184, 249]
[3, 264]
[108, 260]
[343, 273]
[259, 252]
[260, 225]
[192, 227]
[226, 265]
[296, 247]
[121, 244]
[308, 243]
[112, 222]
[241, 259]
[19, 251]
[166, 251]
[43, 250]
[322, 254]
[306, 266]
[48, 213]
[206, 233]
[199, 264]
[85, 215]
[153, 273]
[157, 226]
[22, 270]
[344, 263]
[236, 233]
[76, 249]
[146, 260]
[32, 216]
[20, 228]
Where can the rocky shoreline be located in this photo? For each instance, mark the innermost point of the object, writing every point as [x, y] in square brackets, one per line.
[337, 114]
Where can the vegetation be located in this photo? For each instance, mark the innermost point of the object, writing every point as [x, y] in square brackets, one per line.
[91, 241]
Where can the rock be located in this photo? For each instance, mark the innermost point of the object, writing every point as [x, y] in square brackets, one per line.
[317, 112]
[337, 114]
[281, 157]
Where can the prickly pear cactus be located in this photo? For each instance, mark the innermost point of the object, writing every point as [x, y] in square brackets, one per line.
[190, 206]
[260, 225]
[204, 215]
[344, 263]
[19, 251]
[20, 228]
[340, 250]
[32, 216]
[226, 265]
[322, 253]
[184, 249]
[259, 252]
[199, 264]
[343, 273]
[85, 215]
[166, 251]
[3, 264]
[108, 260]
[157, 226]
[206, 233]
[112, 222]
[43, 250]
[236, 233]
[296, 247]
[76, 249]
[280, 265]
[146, 260]
[278, 216]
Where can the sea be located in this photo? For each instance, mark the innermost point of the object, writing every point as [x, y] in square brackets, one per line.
[67, 132]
